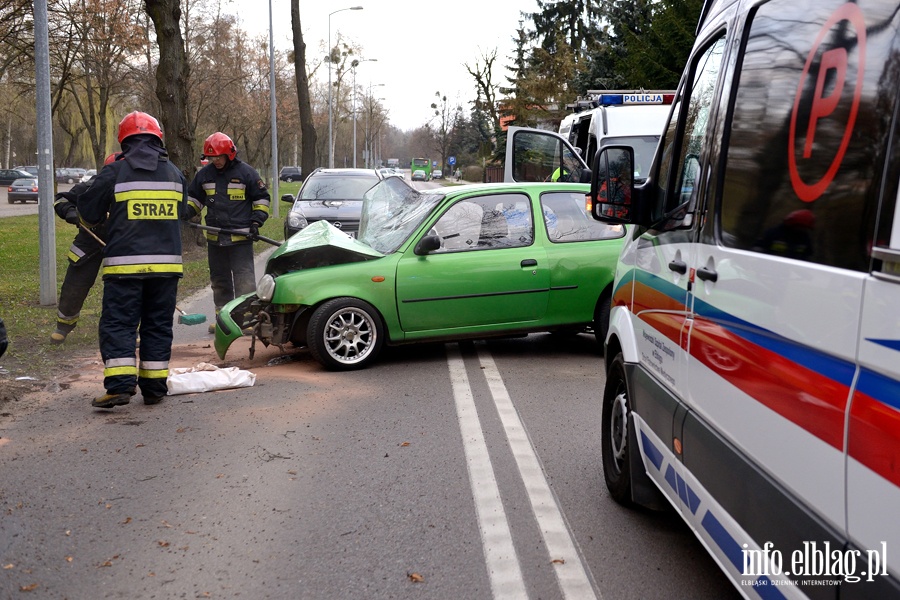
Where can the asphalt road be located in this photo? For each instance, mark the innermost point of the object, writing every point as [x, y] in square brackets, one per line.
[444, 471]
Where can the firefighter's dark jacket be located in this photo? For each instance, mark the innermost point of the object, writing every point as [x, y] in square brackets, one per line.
[234, 198]
[145, 197]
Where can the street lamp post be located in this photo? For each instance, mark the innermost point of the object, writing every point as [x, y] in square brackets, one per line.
[356, 64]
[330, 110]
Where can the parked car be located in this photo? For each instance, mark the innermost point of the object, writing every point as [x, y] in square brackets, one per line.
[66, 175]
[437, 174]
[331, 194]
[22, 190]
[465, 262]
[28, 169]
[388, 172]
[7, 176]
[290, 174]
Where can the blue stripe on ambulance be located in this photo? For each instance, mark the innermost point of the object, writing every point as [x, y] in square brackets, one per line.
[717, 532]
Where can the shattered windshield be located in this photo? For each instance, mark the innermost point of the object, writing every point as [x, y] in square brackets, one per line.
[391, 211]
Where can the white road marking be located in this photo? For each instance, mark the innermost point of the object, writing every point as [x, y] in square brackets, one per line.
[570, 573]
[504, 570]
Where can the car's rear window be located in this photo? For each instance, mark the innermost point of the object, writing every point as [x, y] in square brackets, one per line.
[336, 188]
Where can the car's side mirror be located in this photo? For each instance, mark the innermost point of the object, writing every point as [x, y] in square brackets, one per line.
[287, 198]
[612, 188]
[427, 244]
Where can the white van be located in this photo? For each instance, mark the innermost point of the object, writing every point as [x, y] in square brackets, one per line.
[608, 117]
[753, 352]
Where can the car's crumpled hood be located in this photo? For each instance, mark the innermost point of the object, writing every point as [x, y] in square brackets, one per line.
[319, 245]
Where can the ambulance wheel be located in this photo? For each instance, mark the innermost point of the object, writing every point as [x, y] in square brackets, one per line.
[614, 433]
[345, 334]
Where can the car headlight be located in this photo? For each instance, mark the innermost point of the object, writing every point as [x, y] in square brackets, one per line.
[297, 221]
[265, 289]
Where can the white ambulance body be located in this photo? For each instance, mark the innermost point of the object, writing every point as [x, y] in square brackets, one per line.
[603, 118]
[753, 353]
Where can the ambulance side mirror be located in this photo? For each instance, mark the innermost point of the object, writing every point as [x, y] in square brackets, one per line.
[612, 185]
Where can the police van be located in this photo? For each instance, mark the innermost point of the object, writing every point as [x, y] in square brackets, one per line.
[604, 117]
[753, 353]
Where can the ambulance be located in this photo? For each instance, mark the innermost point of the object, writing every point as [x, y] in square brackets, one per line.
[604, 117]
[753, 352]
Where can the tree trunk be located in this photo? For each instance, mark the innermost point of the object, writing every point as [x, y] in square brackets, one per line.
[307, 128]
[172, 84]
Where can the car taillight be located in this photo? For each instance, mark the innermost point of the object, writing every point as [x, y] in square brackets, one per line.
[34, 189]
[9, 189]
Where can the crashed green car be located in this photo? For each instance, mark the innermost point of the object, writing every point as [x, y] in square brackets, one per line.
[471, 261]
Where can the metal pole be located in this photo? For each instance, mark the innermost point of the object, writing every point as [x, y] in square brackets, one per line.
[273, 203]
[46, 226]
[354, 116]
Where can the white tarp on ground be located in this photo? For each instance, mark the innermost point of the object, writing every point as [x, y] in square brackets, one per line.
[207, 378]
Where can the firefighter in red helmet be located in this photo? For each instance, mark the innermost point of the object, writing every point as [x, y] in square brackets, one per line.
[141, 197]
[237, 199]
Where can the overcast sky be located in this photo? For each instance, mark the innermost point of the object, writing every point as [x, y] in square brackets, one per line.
[418, 51]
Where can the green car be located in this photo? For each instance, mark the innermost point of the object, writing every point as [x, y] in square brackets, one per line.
[464, 262]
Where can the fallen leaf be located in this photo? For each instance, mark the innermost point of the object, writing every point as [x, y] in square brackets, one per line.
[220, 475]
[69, 559]
[9, 566]
[84, 449]
[415, 577]
[139, 446]
[28, 588]
[108, 505]
[106, 564]
[404, 444]
[292, 472]
[163, 543]
[166, 523]
[68, 532]
[126, 521]
[558, 561]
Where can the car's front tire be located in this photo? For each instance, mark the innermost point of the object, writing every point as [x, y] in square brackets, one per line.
[345, 334]
[614, 436]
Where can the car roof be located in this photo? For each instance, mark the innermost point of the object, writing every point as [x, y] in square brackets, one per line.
[349, 172]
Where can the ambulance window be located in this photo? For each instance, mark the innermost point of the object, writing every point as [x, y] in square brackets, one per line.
[705, 74]
[804, 165]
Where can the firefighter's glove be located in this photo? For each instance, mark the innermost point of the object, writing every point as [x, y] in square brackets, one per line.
[254, 231]
[72, 216]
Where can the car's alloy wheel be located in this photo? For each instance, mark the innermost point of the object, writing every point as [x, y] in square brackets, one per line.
[345, 334]
[614, 433]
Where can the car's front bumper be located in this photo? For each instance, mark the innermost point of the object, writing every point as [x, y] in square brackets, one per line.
[232, 320]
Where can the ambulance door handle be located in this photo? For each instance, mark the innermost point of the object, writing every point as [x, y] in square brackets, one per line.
[707, 274]
[678, 266]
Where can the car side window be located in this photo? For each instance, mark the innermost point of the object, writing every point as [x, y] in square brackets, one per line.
[803, 176]
[544, 158]
[486, 222]
[567, 220]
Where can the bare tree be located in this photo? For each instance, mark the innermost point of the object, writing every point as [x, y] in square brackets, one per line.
[487, 90]
[172, 76]
[307, 128]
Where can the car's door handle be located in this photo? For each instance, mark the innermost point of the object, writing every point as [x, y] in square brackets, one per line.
[678, 266]
[529, 262]
[707, 274]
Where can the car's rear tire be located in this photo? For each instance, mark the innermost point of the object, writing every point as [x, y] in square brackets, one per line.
[345, 334]
[614, 436]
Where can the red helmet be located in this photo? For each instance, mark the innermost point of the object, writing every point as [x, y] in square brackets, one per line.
[110, 159]
[218, 144]
[137, 122]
